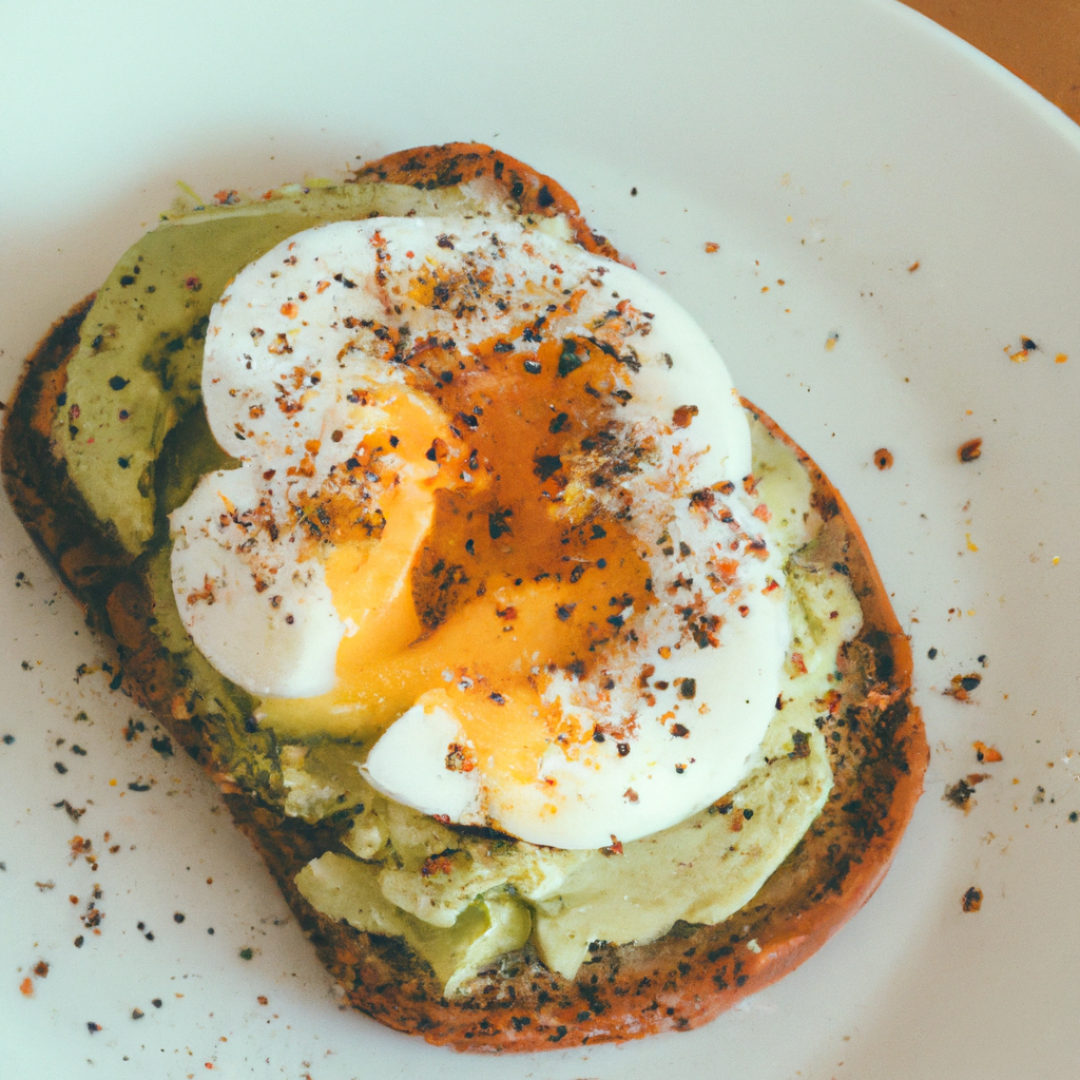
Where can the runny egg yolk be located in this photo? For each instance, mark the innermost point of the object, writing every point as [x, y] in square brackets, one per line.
[486, 572]
[493, 515]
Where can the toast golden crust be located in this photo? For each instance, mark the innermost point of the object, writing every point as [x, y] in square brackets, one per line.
[877, 746]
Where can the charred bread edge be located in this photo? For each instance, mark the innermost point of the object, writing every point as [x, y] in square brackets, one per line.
[874, 733]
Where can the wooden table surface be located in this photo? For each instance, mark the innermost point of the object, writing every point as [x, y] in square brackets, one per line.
[1039, 40]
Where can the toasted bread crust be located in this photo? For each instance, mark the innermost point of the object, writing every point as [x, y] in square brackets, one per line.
[433, 167]
[874, 733]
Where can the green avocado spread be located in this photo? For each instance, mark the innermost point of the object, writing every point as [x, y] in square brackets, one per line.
[133, 437]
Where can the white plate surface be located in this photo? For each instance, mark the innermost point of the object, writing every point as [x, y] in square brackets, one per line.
[830, 147]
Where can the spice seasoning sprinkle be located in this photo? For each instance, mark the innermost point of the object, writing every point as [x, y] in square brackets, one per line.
[883, 459]
[962, 686]
[970, 451]
[959, 795]
[972, 899]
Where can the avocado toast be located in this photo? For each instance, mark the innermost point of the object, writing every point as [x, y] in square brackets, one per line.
[482, 983]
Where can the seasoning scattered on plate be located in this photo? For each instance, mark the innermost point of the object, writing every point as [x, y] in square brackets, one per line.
[970, 450]
[963, 686]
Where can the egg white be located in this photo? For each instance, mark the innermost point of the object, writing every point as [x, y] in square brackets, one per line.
[295, 359]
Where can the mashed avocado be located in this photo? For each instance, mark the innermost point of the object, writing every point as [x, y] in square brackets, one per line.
[134, 439]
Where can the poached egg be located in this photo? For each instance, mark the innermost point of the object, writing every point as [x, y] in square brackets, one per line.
[493, 505]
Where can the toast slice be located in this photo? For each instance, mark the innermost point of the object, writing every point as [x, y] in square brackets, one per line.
[876, 746]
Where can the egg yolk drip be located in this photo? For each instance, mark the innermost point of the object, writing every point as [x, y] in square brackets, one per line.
[486, 517]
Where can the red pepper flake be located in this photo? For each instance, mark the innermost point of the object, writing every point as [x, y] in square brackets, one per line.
[92, 1027]
[684, 415]
[437, 864]
[279, 346]
[41, 969]
[458, 759]
[970, 450]
[205, 594]
[616, 847]
[226, 198]
[798, 662]
[711, 247]
[26, 987]
[630, 795]
[883, 459]
[963, 686]
[263, 1000]
[192, 283]
[80, 846]
[913, 267]
[762, 513]
[289, 310]
[972, 899]
[986, 753]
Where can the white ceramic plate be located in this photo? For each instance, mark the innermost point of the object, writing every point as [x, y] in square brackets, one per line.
[922, 210]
